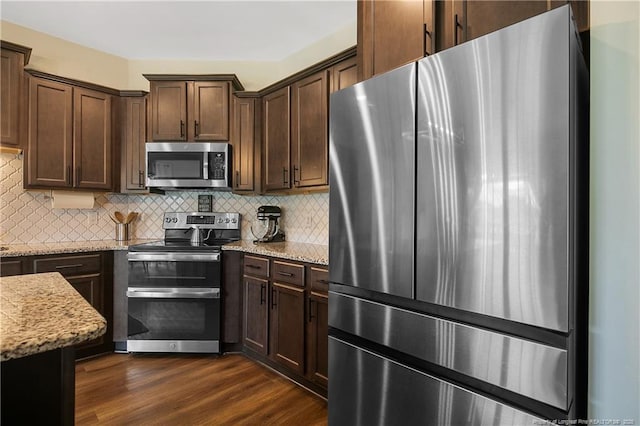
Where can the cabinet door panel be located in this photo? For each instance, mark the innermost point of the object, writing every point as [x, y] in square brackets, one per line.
[276, 140]
[11, 97]
[134, 126]
[344, 74]
[317, 338]
[90, 287]
[398, 33]
[169, 110]
[92, 139]
[255, 322]
[287, 326]
[209, 120]
[310, 147]
[243, 144]
[483, 17]
[49, 150]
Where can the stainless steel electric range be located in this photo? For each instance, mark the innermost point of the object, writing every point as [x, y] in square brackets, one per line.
[174, 285]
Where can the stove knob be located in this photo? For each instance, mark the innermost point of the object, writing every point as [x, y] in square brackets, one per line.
[175, 220]
[234, 220]
[219, 220]
[226, 220]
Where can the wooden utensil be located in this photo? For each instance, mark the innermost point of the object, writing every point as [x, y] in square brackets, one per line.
[131, 217]
[119, 216]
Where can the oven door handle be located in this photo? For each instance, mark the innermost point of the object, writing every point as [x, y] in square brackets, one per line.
[174, 293]
[172, 257]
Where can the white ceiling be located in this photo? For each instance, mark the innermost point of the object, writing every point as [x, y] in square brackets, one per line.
[196, 30]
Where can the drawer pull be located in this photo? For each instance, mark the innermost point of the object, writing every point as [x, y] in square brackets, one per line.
[323, 281]
[285, 274]
[77, 265]
[253, 266]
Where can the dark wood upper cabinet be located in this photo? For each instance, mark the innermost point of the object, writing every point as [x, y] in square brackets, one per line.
[309, 131]
[209, 117]
[49, 154]
[168, 110]
[393, 33]
[70, 142]
[344, 74]
[92, 148]
[12, 106]
[245, 137]
[191, 108]
[133, 126]
[276, 141]
[464, 20]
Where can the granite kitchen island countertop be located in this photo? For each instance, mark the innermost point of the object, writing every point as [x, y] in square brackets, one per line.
[302, 252]
[42, 312]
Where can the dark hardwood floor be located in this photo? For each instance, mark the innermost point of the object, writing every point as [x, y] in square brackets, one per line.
[121, 389]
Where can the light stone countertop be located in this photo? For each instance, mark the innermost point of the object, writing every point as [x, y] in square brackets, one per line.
[42, 312]
[302, 252]
[33, 249]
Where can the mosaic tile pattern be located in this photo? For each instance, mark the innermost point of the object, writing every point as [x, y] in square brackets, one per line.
[27, 216]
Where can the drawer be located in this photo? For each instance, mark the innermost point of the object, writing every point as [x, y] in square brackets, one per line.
[256, 266]
[318, 278]
[69, 265]
[291, 273]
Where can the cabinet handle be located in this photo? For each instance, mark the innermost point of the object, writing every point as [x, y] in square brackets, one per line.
[237, 182]
[427, 34]
[273, 298]
[69, 177]
[77, 265]
[296, 169]
[78, 169]
[323, 281]
[263, 294]
[195, 127]
[285, 274]
[140, 177]
[252, 266]
[456, 25]
[181, 129]
[310, 310]
[284, 176]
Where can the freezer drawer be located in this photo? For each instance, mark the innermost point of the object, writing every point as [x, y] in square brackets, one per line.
[368, 389]
[528, 368]
[372, 157]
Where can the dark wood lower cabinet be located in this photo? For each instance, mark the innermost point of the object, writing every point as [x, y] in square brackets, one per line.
[256, 314]
[287, 326]
[318, 338]
[285, 318]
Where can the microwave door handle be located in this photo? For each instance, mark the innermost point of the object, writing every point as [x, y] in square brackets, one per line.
[205, 166]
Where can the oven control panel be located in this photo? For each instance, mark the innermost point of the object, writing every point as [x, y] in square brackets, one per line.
[202, 220]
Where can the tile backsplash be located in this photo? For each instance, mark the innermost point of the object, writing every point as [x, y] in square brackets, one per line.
[27, 216]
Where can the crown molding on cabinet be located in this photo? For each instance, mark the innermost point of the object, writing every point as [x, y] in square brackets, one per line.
[26, 51]
[73, 82]
[196, 77]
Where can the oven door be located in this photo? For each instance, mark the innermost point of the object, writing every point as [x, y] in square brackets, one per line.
[173, 320]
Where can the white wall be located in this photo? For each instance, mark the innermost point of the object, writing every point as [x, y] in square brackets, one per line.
[614, 318]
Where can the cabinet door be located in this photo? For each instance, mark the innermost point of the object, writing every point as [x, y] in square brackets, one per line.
[243, 143]
[92, 139]
[344, 74]
[209, 113]
[255, 322]
[134, 137]
[317, 338]
[11, 97]
[392, 33]
[168, 110]
[309, 128]
[49, 151]
[90, 287]
[465, 20]
[276, 140]
[287, 326]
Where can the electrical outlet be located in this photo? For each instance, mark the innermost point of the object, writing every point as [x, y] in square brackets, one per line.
[309, 222]
[92, 217]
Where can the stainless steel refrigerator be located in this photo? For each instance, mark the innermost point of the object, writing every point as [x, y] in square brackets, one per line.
[458, 235]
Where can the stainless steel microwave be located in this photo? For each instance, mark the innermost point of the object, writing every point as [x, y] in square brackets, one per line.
[188, 165]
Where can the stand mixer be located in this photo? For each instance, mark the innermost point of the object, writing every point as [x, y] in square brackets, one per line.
[272, 232]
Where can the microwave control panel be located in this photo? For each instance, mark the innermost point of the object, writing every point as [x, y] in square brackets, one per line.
[217, 165]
